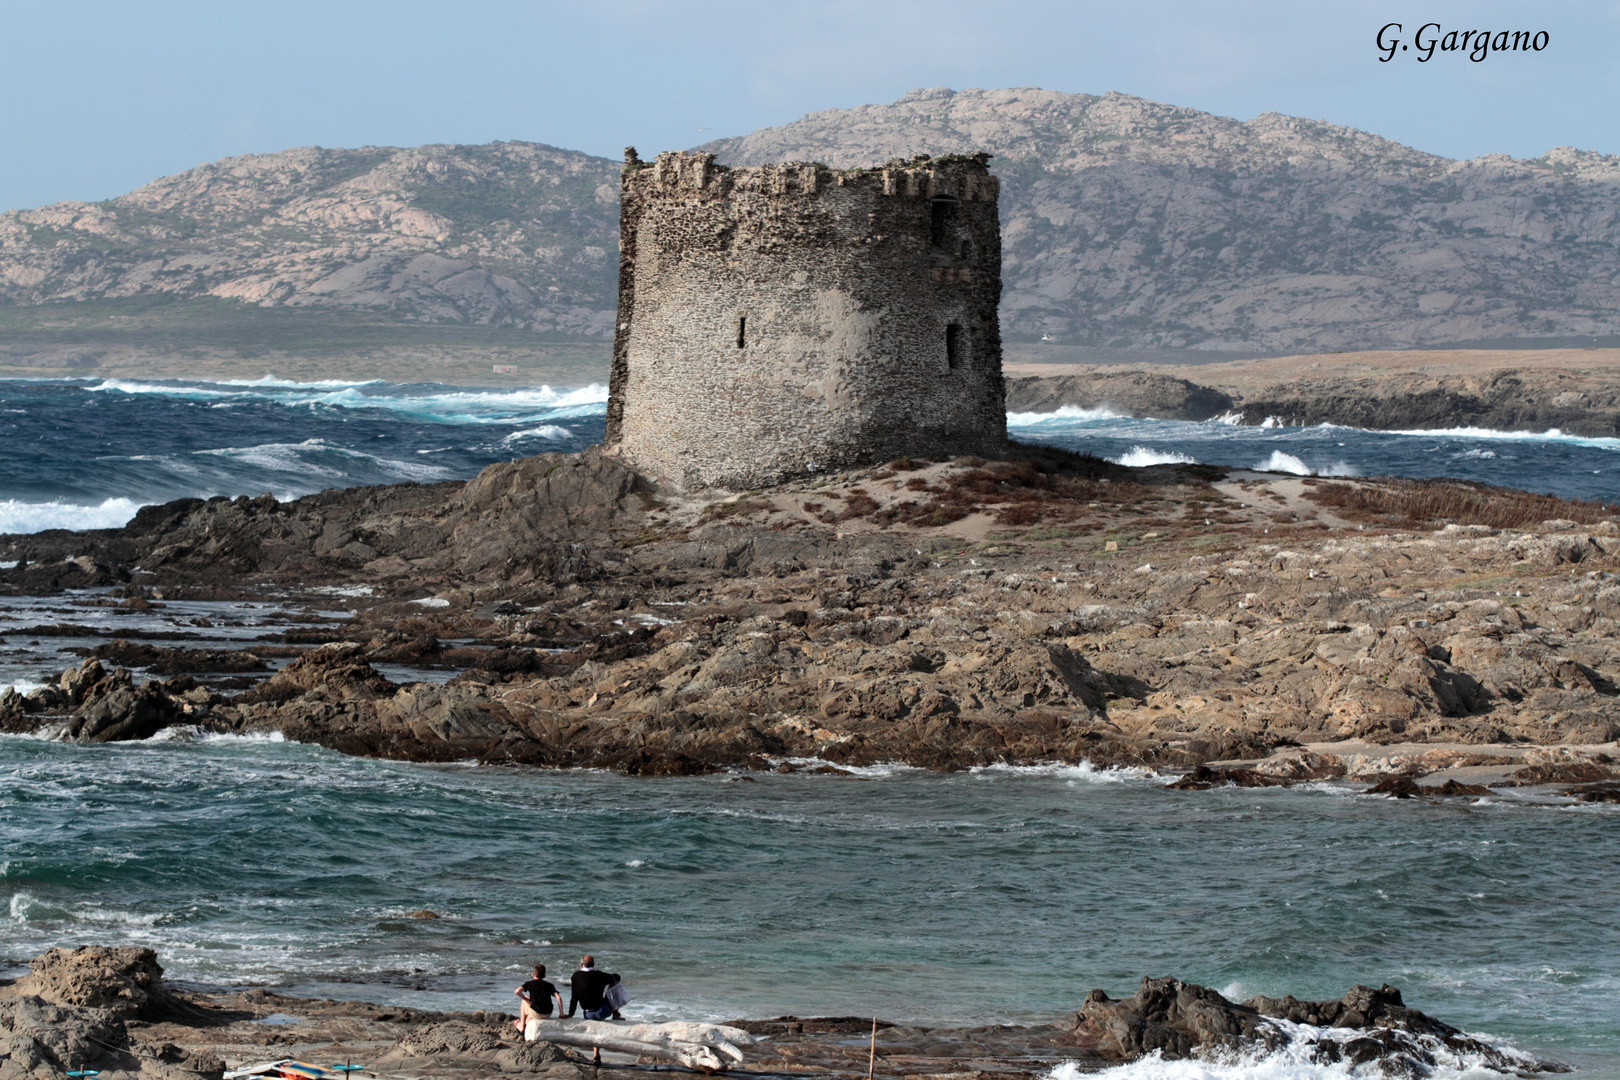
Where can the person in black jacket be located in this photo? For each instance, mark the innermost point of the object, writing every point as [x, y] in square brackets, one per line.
[587, 987]
[535, 998]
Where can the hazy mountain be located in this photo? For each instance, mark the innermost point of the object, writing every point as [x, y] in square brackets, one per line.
[1127, 224]
[1131, 223]
[510, 234]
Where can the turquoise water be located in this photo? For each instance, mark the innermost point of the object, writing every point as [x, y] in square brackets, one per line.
[995, 895]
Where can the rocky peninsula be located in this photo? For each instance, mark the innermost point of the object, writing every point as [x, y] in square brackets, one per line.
[1043, 607]
[1576, 391]
[110, 1009]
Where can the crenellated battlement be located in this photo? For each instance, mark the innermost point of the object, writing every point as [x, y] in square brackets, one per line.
[683, 173]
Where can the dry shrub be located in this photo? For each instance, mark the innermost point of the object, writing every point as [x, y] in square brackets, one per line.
[1451, 502]
[857, 504]
[917, 483]
[742, 507]
[905, 464]
[1019, 514]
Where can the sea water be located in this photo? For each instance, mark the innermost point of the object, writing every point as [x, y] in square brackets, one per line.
[87, 453]
[999, 894]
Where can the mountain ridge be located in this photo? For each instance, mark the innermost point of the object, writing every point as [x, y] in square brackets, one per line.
[1128, 224]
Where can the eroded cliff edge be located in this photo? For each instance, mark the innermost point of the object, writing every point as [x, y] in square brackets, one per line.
[1047, 607]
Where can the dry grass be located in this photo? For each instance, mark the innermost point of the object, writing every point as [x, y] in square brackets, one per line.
[1038, 485]
[734, 508]
[1448, 502]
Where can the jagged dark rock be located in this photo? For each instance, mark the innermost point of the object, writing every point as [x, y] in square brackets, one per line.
[1179, 1020]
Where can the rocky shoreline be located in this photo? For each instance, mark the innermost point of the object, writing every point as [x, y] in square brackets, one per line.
[109, 1009]
[1047, 607]
[1576, 391]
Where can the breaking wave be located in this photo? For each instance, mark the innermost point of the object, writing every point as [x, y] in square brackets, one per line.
[31, 517]
[1296, 1060]
[422, 401]
[1069, 413]
[1140, 456]
[1288, 463]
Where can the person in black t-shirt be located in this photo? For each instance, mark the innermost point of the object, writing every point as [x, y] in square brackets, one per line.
[535, 998]
[587, 986]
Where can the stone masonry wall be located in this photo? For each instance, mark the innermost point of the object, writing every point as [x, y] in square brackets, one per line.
[785, 319]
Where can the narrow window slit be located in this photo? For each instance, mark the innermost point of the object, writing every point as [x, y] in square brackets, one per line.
[941, 223]
[742, 331]
[953, 346]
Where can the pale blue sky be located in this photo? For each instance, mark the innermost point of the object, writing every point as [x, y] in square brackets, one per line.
[102, 97]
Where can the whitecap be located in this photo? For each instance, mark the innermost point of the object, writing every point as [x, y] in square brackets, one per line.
[26, 517]
[1230, 419]
[1084, 772]
[869, 772]
[1063, 412]
[547, 431]
[1294, 1060]
[439, 404]
[1284, 463]
[1140, 456]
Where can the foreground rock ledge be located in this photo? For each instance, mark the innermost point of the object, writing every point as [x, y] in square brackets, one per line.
[1046, 607]
[167, 1035]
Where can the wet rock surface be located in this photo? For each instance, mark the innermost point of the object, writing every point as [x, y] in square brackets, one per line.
[196, 1036]
[1367, 1026]
[1049, 607]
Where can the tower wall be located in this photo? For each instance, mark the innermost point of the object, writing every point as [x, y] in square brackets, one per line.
[781, 320]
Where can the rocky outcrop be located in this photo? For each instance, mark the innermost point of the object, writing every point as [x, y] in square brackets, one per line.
[1180, 1020]
[70, 1013]
[1575, 401]
[1166, 617]
[40, 1039]
[513, 522]
[128, 980]
[1131, 393]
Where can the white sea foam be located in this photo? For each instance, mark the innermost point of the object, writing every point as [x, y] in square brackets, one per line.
[432, 602]
[1288, 463]
[297, 458]
[292, 384]
[1284, 463]
[1293, 1061]
[1550, 435]
[1140, 456]
[546, 431]
[27, 517]
[869, 772]
[1068, 413]
[1084, 772]
[1230, 419]
[441, 405]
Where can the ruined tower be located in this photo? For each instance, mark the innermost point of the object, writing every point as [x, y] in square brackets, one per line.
[785, 319]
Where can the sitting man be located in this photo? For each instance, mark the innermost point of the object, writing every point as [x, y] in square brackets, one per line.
[535, 998]
[589, 989]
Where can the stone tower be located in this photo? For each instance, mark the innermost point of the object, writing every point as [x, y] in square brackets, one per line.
[785, 319]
